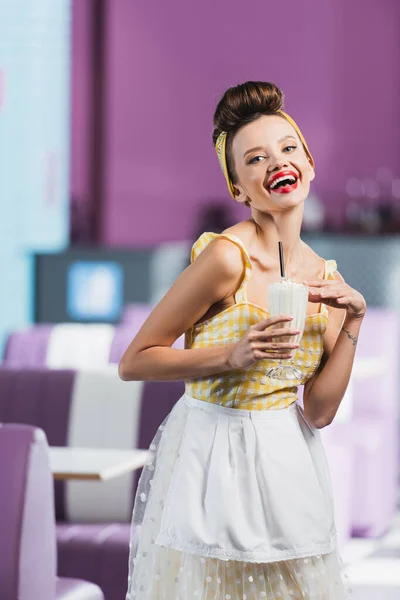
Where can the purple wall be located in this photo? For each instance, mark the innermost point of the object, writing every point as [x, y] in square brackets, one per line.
[81, 99]
[168, 63]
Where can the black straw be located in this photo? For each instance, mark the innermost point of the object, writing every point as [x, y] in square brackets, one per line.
[281, 260]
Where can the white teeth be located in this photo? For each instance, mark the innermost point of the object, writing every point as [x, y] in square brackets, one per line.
[275, 183]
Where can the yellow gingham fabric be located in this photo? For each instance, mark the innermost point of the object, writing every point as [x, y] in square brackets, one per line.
[251, 389]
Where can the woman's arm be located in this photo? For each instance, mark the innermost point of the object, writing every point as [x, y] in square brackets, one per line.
[324, 392]
[213, 278]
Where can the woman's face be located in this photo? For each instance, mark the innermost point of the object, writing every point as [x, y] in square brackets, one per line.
[271, 165]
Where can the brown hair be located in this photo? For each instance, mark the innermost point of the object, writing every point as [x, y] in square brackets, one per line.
[241, 105]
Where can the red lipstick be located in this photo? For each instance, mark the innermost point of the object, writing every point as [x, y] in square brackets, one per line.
[283, 182]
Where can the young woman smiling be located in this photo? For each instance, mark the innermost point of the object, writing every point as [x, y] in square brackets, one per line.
[236, 502]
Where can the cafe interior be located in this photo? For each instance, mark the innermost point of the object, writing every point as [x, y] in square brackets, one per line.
[108, 176]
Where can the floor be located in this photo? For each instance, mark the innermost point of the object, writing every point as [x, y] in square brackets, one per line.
[373, 566]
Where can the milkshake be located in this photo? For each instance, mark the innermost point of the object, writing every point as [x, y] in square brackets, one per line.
[288, 298]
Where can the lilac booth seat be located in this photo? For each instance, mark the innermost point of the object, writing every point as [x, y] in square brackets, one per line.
[27, 526]
[60, 346]
[362, 449]
[375, 424]
[75, 346]
[92, 409]
[362, 443]
[28, 347]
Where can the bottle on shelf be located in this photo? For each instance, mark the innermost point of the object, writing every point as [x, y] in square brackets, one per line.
[371, 221]
[395, 207]
[354, 208]
[385, 179]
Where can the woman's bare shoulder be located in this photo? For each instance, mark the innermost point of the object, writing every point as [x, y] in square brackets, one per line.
[213, 276]
[221, 256]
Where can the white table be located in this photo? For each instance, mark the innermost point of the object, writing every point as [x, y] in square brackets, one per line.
[94, 463]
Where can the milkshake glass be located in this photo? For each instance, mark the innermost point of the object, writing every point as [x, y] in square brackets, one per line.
[288, 298]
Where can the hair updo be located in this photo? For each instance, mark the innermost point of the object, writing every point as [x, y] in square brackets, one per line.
[241, 105]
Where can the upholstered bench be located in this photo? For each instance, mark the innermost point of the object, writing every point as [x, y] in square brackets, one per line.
[375, 424]
[28, 554]
[90, 409]
[73, 346]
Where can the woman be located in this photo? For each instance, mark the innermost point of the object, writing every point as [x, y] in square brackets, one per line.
[236, 502]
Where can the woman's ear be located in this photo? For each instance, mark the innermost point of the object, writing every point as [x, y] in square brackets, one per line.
[240, 195]
[311, 171]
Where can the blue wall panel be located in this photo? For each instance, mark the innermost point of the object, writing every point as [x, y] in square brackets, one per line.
[34, 145]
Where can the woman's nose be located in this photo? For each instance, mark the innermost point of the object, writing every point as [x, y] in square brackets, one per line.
[276, 165]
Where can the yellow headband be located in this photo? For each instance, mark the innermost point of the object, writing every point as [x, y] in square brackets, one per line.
[220, 147]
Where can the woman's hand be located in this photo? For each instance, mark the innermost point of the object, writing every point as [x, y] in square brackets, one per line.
[337, 294]
[259, 343]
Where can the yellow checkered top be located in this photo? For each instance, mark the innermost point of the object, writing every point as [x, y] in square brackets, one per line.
[251, 389]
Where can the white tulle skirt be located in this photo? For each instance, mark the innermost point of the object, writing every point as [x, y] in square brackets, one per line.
[234, 505]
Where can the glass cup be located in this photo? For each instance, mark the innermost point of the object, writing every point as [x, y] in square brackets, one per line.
[288, 298]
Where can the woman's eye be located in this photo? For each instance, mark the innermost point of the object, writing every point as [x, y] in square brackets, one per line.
[255, 160]
[289, 148]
